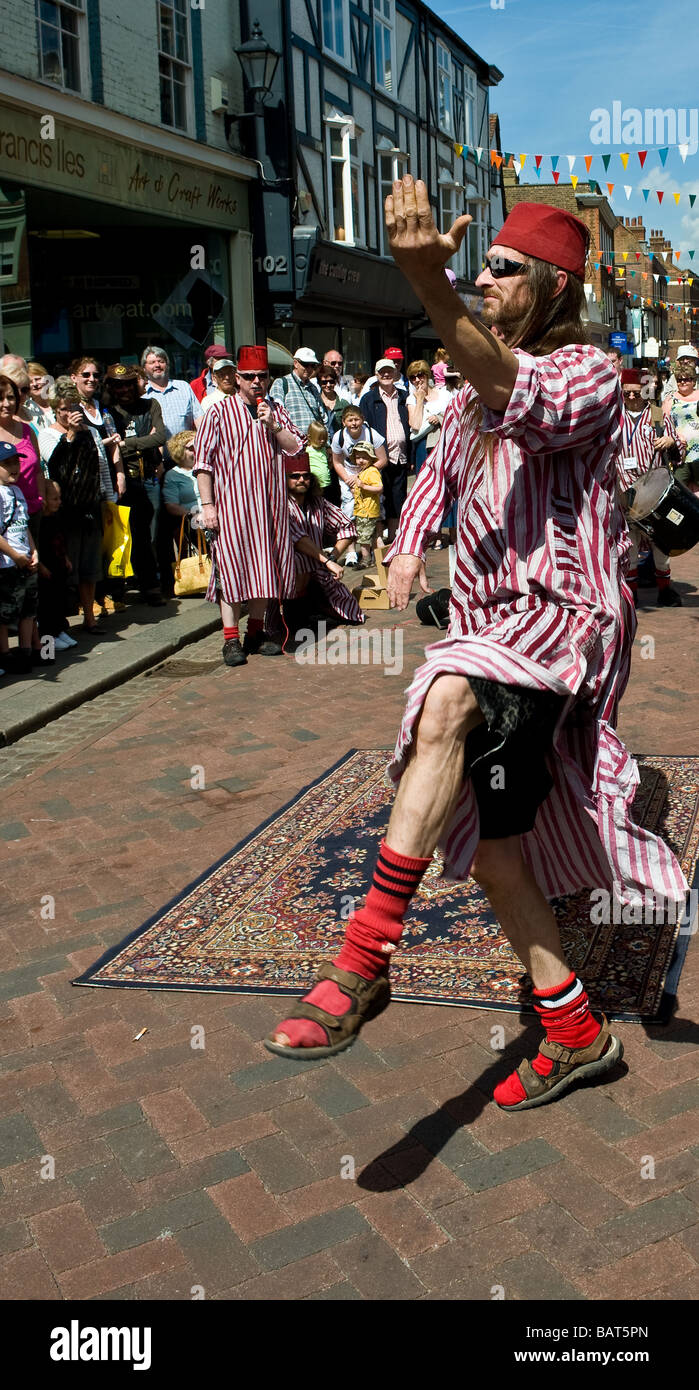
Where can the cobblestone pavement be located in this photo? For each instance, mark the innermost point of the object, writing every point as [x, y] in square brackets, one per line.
[143, 1169]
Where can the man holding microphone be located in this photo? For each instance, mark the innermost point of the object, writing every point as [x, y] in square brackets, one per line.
[242, 484]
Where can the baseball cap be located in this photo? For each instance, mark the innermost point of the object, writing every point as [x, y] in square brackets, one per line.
[384, 362]
[686, 350]
[7, 451]
[221, 362]
[216, 351]
[395, 353]
[307, 356]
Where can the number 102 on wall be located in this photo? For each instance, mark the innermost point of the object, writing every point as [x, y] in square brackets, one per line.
[271, 265]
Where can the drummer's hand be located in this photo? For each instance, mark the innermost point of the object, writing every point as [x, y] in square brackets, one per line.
[401, 573]
[665, 443]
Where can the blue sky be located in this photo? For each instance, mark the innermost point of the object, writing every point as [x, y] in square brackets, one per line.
[561, 59]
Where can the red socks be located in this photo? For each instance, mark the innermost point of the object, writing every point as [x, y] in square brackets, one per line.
[565, 1014]
[229, 632]
[372, 935]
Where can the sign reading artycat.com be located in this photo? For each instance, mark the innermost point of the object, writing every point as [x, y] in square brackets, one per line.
[76, 1343]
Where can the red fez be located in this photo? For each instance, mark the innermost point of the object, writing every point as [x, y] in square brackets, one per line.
[549, 234]
[395, 353]
[252, 359]
[630, 376]
[297, 463]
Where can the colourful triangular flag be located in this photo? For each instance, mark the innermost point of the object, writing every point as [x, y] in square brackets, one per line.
[677, 255]
[571, 162]
[627, 190]
[663, 154]
[479, 152]
[642, 156]
[537, 160]
[676, 197]
[661, 195]
[692, 198]
[554, 160]
[691, 255]
[610, 187]
[626, 255]
[574, 181]
[684, 151]
[458, 149]
[624, 159]
[517, 166]
[588, 160]
[556, 175]
[638, 255]
[523, 159]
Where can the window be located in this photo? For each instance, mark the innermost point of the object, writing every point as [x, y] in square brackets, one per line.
[392, 165]
[174, 60]
[336, 28]
[8, 257]
[476, 239]
[60, 35]
[469, 106]
[450, 207]
[383, 44]
[444, 90]
[345, 184]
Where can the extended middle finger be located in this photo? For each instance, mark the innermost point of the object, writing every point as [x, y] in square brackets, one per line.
[409, 200]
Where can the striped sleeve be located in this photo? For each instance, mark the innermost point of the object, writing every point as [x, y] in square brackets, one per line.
[336, 524]
[435, 489]
[569, 400]
[206, 441]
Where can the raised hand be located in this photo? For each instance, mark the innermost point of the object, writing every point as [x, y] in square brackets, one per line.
[417, 245]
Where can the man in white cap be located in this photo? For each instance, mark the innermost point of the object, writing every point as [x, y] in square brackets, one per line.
[298, 393]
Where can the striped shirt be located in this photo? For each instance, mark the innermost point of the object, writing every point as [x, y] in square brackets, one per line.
[179, 405]
[539, 600]
[253, 553]
[317, 520]
[636, 454]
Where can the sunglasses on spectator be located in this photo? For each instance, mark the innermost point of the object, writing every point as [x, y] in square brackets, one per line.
[90, 376]
[631, 394]
[253, 376]
[296, 476]
[500, 267]
[417, 375]
[328, 381]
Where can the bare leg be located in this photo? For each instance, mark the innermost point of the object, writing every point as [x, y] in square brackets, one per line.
[522, 910]
[431, 783]
[230, 612]
[87, 599]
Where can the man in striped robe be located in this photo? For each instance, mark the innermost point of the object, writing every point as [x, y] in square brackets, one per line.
[313, 520]
[641, 451]
[507, 756]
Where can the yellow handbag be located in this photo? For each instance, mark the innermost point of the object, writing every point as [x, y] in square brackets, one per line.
[192, 574]
[116, 540]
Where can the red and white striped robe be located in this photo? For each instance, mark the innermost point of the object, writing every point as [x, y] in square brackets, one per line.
[253, 552]
[320, 519]
[539, 600]
[638, 436]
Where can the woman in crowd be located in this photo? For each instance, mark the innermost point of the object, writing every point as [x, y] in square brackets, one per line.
[180, 494]
[85, 375]
[427, 403]
[15, 431]
[74, 462]
[682, 409]
[37, 406]
[334, 403]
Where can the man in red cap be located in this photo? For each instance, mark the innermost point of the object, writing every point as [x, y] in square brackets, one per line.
[314, 520]
[204, 384]
[507, 756]
[639, 453]
[238, 463]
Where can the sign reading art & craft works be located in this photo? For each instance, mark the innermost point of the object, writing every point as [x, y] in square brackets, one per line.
[75, 160]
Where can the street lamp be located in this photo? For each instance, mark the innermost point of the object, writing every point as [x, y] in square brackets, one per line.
[259, 63]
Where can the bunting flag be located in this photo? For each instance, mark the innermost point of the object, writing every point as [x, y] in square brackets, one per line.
[661, 195]
[571, 162]
[588, 161]
[691, 255]
[610, 186]
[638, 255]
[523, 159]
[458, 150]
[624, 159]
[556, 176]
[662, 155]
[642, 156]
[574, 181]
[683, 152]
[677, 255]
[645, 192]
[554, 161]
[692, 199]
[537, 171]
[628, 191]
[537, 160]
[626, 255]
[479, 152]
[605, 160]
[517, 166]
[676, 197]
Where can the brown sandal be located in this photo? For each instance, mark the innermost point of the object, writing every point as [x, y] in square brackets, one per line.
[368, 998]
[570, 1064]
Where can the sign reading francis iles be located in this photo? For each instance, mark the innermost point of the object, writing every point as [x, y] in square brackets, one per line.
[39, 150]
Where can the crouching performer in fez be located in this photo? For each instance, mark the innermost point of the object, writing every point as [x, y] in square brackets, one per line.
[507, 756]
[315, 521]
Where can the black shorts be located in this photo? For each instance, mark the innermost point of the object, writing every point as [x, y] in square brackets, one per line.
[506, 757]
[395, 488]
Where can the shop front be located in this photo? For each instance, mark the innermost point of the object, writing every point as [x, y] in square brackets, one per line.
[346, 299]
[109, 244]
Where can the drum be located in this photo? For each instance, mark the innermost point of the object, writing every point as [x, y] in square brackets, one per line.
[666, 510]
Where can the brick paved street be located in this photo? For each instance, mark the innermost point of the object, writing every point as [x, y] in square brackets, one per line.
[220, 1169]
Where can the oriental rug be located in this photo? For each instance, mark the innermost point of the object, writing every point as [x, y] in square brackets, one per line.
[261, 919]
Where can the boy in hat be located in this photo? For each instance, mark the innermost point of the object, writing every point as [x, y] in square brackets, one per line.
[240, 474]
[640, 451]
[507, 756]
[19, 564]
[367, 506]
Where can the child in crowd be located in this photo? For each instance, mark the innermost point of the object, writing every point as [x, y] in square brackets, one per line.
[18, 566]
[359, 381]
[367, 506]
[317, 450]
[54, 570]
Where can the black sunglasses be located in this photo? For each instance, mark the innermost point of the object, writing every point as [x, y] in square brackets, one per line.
[253, 376]
[500, 267]
[299, 475]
